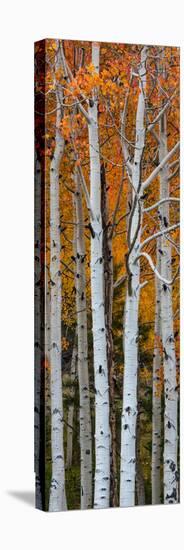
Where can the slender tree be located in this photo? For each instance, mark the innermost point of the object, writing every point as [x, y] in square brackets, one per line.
[82, 352]
[102, 429]
[129, 411]
[57, 499]
[156, 390]
[108, 293]
[38, 339]
[140, 485]
[169, 356]
[70, 418]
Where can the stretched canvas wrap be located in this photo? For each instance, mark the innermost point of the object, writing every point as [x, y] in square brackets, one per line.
[106, 275]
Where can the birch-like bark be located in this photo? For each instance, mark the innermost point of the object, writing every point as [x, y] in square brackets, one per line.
[82, 354]
[38, 351]
[140, 486]
[57, 500]
[47, 348]
[102, 428]
[156, 391]
[108, 294]
[69, 452]
[129, 411]
[169, 356]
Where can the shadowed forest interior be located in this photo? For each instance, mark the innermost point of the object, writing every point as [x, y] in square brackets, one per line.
[106, 274]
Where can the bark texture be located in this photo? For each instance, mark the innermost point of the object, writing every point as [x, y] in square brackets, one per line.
[140, 485]
[169, 356]
[69, 444]
[102, 428]
[57, 501]
[129, 411]
[82, 354]
[156, 391]
[108, 293]
[38, 350]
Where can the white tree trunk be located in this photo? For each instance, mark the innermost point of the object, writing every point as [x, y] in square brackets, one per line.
[57, 500]
[129, 411]
[82, 354]
[140, 484]
[156, 391]
[108, 297]
[169, 356]
[102, 429]
[38, 351]
[69, 453]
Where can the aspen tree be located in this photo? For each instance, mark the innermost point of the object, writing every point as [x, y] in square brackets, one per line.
[102, 428]
[129, 411]
[57, 499]
[156, 390]
[169, 355]
[82, 353]
[70, 417]
[38, 339]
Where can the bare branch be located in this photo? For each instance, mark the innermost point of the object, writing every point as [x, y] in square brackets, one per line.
[120, 281]
[116, 207]
[173, 244]
[174, 173]
[82, 179]
[123, 141]
[67, 267]
[69, 76]
[156, 204]
[154, 269]
[172, 164]
[159, 234]
[143, 284]
[155, 135]
[155, 172]
[85, 191]
[161, 113]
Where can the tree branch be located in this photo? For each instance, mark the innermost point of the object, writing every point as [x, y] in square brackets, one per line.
[67, 267]
[154, 269]
[69, 76]
[116, 207]
[156, 204]
[85, 191]
[159, 116]
[82, 179]
[160, 166]
[159, 234]
[123, 142]
[120, 281]
[174, 173]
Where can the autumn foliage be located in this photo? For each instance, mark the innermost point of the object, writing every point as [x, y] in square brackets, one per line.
[117, 86]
